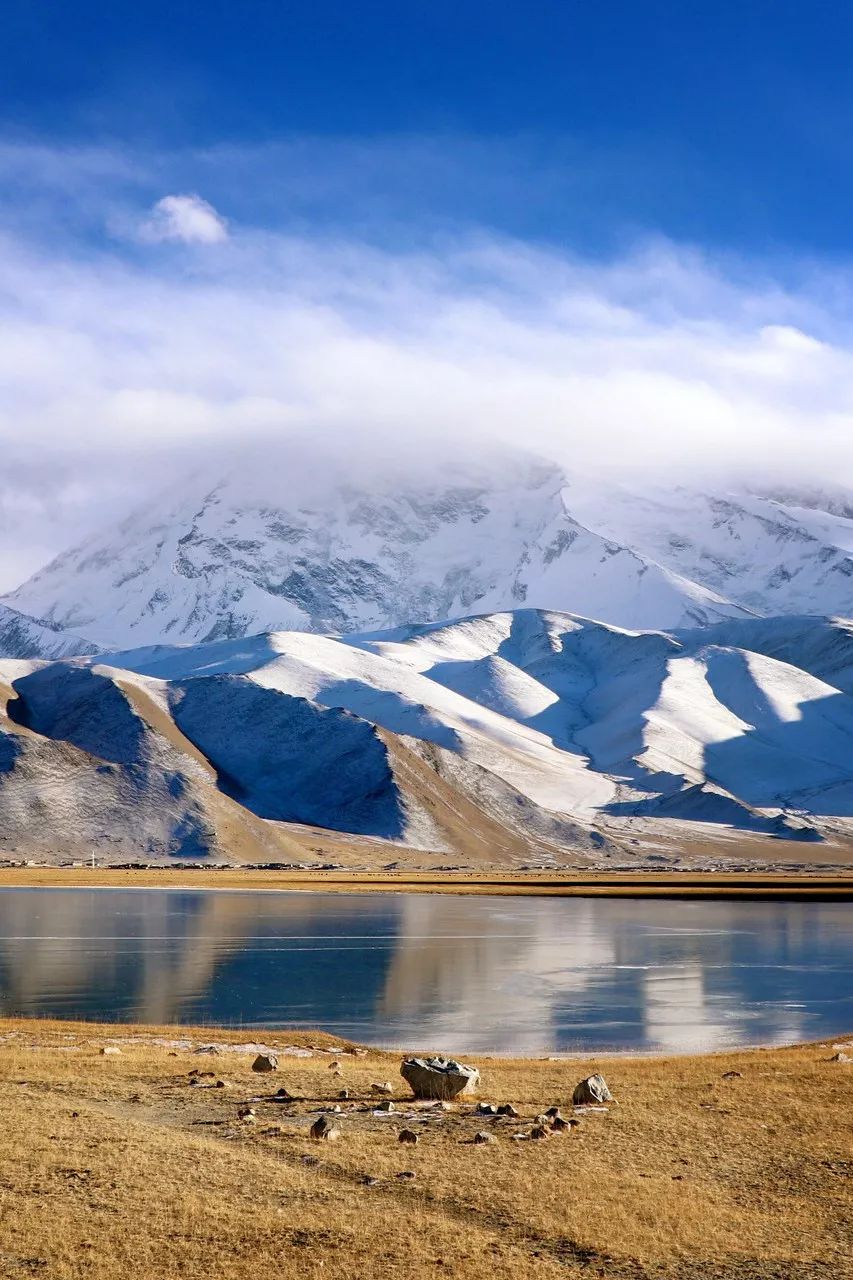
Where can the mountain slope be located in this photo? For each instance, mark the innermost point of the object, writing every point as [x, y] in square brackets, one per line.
[25, 637]
[766, 556]
[98, 759]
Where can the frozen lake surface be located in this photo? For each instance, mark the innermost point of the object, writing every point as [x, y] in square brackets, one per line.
[447, 972]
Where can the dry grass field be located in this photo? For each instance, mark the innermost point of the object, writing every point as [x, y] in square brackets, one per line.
[115, 1165]
[560, 883]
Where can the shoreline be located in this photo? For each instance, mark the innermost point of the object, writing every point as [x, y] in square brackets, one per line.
[319, 1041]
[780, 886]
[322, 1040]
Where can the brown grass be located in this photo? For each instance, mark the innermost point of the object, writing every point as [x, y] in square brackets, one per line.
[646, 884]
[114, 1166]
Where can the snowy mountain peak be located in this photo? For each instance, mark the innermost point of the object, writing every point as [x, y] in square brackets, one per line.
[328, 547]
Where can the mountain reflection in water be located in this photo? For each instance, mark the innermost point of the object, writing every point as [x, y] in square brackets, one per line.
[463, 974]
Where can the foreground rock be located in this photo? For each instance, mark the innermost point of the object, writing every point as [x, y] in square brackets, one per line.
[265, 1062]
[439, 1078]
[590, 1091]
[324, 1130]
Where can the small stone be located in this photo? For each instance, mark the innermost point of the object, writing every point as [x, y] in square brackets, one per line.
[732, 1075]
[369, 1181]
[542, 1120]
[384, 1090]
[539, 1131]
[245, 1112]
[323, 1130]
[281, 1095]
[334, 1066]
[486, 1109]
[591, 1090]
[559, 1125]
[841, 1056]
[508, 1110]
[482, 1138]
[406, 1175]
[385, 1106]
[554, 1113]
[265, 1062]
[343, 1095]
[109, 1050]
[409, 1136]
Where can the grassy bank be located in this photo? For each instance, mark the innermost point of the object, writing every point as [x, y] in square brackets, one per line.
[646, 884]
[116, 1166]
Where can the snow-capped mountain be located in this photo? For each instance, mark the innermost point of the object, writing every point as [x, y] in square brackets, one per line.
[495, 739]
[25, 637]
[331, 548]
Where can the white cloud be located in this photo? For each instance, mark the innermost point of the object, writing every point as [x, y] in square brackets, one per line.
[116, 372]
[186, 218]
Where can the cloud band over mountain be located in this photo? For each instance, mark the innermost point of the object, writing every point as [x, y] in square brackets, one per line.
[120, 358]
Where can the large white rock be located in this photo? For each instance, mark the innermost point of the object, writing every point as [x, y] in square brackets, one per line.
[439, 1077]
[590, 1091]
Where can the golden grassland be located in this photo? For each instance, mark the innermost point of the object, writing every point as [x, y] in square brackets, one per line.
[646, 884]
[115, 1166]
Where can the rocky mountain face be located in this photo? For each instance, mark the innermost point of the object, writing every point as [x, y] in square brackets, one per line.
[496, 738]
[226, 557]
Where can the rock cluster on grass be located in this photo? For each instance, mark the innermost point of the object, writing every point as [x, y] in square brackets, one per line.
[440, 1078]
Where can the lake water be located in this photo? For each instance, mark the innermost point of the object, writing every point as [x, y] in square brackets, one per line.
[453, 973]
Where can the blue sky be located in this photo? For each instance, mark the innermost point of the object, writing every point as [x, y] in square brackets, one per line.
[726, 124]
[617, 233]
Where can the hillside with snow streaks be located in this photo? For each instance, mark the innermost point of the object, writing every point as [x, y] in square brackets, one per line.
[319, 550]
[624, 734]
